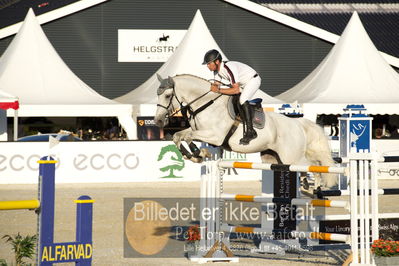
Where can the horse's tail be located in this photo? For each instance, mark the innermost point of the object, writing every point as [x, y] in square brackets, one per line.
[318, 150]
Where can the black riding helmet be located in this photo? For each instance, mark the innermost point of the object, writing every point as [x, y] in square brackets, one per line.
[212, 55]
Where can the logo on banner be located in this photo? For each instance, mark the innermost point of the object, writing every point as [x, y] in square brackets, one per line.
[172, 160]
[147, 122]
[163, 38]
[360, 134]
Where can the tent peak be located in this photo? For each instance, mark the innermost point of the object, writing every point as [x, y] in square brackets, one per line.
[187, 59]
[353, 69]
[46, 79]
[30, 14]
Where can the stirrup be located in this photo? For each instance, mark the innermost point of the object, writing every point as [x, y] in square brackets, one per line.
[248, 137]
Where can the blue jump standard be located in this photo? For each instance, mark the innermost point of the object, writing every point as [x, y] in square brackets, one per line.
[81, 250]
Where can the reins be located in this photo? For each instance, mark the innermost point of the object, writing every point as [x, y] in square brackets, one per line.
[221, 83]
[193, 113]
[184, 109]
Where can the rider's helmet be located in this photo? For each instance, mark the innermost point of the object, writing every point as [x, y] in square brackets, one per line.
[212, 55]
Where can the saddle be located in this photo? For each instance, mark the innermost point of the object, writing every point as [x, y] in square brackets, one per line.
[257, 113]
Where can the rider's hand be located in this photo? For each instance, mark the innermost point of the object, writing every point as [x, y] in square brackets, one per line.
[215, 87]
[236, 87]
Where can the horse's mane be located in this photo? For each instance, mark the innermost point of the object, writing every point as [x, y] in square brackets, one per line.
[191, 75]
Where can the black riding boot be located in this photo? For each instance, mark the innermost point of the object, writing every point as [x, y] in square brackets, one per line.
[249, 133]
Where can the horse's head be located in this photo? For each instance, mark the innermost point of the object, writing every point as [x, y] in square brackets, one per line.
[182, 91]
[166, 101]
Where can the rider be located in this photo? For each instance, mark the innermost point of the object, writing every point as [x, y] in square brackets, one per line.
[244, 80]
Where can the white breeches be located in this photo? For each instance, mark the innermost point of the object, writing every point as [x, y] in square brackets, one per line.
[250, 89]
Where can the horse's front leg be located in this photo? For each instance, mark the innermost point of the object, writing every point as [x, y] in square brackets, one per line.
[196, 155]
[180, 136]
[207, 136]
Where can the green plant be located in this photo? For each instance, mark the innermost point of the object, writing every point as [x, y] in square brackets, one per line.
[385, 248]
[23, 247]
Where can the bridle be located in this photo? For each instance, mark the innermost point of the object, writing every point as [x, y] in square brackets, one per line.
[161, 90]
[185, 108]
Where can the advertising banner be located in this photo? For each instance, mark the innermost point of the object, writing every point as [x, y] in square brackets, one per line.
[109, 161]
[146, 128]
[147, 45]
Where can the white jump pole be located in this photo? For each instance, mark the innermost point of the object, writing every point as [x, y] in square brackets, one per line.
[295, 201]
[354, 208]
[367, 209]
[374, 203]
[283, 167]
[361, 199]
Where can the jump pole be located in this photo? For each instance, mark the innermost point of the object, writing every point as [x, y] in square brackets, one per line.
[295, 234]
[336, 193]
[292, 201]
[19, 205]
[282, 167]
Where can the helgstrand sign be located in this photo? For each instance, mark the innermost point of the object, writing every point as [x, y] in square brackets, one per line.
[148, 45]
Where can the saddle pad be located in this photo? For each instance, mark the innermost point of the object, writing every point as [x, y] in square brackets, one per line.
[258, 119]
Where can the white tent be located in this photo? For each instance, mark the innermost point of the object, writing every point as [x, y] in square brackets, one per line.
[187, 59]
[354, 72]
[31, 69]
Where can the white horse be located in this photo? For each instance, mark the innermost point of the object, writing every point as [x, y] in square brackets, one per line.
[282, 140]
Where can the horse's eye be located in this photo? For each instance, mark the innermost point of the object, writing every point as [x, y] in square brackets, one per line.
[168, 96]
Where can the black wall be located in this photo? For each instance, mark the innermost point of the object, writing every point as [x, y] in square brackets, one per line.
[87, 41]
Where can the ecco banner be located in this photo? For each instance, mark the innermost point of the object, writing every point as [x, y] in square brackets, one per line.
[147, 45]
[109, 161]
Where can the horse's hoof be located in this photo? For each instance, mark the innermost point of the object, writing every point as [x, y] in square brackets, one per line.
[305, 184]
[205, 153]
[196, 159]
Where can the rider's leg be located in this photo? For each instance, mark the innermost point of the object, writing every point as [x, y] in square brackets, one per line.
[247, 94]
[250, 132]
[242, 116]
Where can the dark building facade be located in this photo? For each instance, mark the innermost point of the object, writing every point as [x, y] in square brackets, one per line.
[88, 42]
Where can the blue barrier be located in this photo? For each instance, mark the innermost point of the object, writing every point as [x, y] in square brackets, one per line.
[80, 251]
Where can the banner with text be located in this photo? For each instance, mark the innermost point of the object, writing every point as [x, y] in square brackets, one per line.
[148, 45]
[109, 161]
